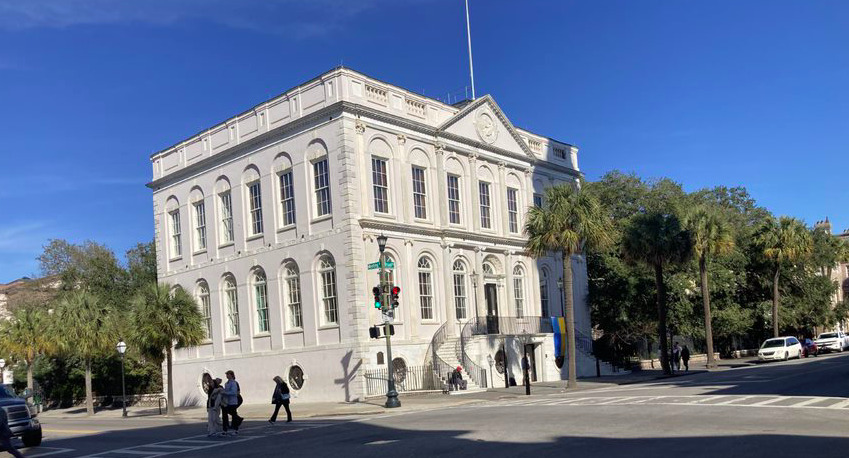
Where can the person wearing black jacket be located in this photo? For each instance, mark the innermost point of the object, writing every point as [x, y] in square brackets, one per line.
[685, 358]
[280, 397]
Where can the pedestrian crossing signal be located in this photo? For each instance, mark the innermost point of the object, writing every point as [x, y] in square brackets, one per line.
[374, 332]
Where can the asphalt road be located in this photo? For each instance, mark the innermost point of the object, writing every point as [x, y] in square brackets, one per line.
[794, 408]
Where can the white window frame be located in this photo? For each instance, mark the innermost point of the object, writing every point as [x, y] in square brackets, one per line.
[255, 208]
[321, 185]
[545, 304]
[329, 298]
[513, 210]
[292, 285]
[426, 293]
[519, 291]
[260, 290]
[460, 290]
[287, 198]
[484, 190]
[231, 307]
[454, 214]
[380, 184]
[419, 175]
[225, 200]
[205, 305]
[176, 245]
[200, 226]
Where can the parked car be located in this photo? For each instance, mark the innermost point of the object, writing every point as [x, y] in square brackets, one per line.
[22, 417]
[782, 348]
[809, 347]
[832, 341]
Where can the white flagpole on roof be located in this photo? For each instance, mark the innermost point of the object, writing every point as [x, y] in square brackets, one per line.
[469, 35]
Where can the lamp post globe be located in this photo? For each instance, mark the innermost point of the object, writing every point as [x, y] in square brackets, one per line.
[122, 348]
[381, 242]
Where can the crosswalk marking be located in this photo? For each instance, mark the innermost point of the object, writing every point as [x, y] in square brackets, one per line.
[769, 401]
[729, 401]
[724, 400]
[840, 404]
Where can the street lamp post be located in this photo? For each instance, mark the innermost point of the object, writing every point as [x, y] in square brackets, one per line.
[122, 347]
[386, 309]
[490, 361]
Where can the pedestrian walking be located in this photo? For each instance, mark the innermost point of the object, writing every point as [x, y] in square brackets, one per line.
[685, 358]
[676, 357]
[213, 408]
[232, 397]
[280, 398]
[6, 435]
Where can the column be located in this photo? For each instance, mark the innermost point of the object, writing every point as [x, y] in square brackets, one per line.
[474, 209]
[441, 183]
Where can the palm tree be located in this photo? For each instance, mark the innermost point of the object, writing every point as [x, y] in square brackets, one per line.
[25, 336]
[85, 328]
[784, 241]
[164, 317]
[711, 237]
[657, 240]
[568, 222]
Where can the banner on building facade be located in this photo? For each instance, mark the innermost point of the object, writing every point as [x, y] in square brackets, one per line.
[558, 324]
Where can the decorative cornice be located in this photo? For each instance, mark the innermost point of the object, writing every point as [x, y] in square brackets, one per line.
[504, 242]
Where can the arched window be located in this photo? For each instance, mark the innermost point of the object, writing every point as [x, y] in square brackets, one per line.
[543, 293]
[261, 300]
[426, 288]
[487, 269]
[380, 358]
[327, 275]
[205, 307]
[292, 282]
[231, 305]
[460, 289]
[519, 290]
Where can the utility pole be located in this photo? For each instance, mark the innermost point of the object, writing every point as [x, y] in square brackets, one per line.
[386, 308]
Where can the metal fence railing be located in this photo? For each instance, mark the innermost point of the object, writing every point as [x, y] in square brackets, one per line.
[511, 325]
[407, 378]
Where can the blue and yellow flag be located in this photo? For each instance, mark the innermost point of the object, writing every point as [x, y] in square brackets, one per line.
[558, 324]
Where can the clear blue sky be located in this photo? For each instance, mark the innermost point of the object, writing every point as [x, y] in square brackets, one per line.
[750, 93]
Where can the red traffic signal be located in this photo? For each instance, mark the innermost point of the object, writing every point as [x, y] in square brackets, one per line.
[396, 290]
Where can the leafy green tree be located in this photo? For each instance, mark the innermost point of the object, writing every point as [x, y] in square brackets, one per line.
[90, 266]
[141, 265]
[784, 242]
[658, 240]
[165, 317]
[569, 222]
[26, 335]
[711, 237]
[85, 328]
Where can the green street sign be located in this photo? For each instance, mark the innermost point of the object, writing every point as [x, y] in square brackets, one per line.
[376, 265]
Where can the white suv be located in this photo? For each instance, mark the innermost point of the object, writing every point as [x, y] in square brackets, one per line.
[832, 341]
[780, 348]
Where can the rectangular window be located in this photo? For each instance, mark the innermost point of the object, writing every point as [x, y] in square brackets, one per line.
[426, 295]
[331, 312]
[512, 210]
[419, 193]
[200, 226]
[460, 295]
[255, 202]
[538, 200]
[232, 309]
[322, 188]
[261, 293]
[518, 290]
[226, 217]
[176, 247]
[381, 185]
[453, 199]
[486, 221]
[287, 198]
[543, 298]
[206, 311]
[293, 285]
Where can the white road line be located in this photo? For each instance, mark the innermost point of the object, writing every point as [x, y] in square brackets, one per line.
[708, 399]
[808, 402]
[55, 451]
[643, 401]
[839, 405]
[769, 401]
[616, 400]
[730, 401]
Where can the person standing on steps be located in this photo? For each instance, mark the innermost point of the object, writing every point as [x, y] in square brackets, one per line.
[233, 399]
[280, 398]
[685, 358]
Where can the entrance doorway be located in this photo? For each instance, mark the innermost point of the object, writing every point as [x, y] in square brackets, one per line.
[491, 296]
[532, 362]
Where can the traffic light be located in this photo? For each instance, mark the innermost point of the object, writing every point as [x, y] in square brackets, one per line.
[377, 299]
[396, 291]
[374, 332]
[391, 330]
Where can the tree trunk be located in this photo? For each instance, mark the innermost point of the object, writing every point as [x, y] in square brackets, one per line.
[571, 356]
[89, 399]
[661, 318]
[170, 400]
[706, 301]
[775, 302]
[30, 383]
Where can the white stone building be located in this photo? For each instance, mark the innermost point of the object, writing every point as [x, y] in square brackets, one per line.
[269, 218]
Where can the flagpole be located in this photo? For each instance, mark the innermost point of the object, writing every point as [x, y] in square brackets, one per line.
[469, 35]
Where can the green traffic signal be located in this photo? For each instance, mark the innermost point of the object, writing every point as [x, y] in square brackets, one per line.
[376, 292]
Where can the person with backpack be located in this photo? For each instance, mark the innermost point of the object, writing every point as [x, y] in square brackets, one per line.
[280, 397]
[231, 400]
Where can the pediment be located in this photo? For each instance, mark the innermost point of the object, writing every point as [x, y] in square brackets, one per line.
[482, 121]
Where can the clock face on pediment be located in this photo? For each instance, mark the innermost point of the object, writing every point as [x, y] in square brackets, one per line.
[486, 127]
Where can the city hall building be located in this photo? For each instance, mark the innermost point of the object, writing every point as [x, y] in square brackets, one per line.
[270, 220]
